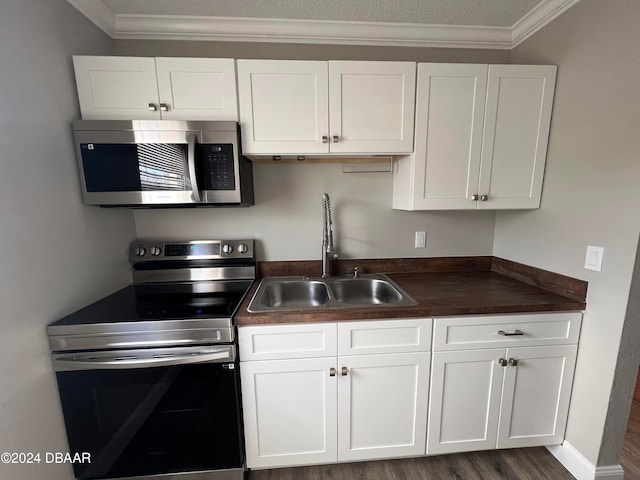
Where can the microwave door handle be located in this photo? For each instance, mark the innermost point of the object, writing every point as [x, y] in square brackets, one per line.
[191, 159]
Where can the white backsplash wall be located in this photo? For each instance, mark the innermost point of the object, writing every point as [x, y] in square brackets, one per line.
[286, 219]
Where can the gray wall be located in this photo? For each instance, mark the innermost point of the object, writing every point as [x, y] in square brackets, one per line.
[590, 197]
[287, 216]
[55, 253]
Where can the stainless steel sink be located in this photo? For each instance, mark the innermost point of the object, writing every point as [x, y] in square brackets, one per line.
[302, 293]
[365, 291]
[294, 294]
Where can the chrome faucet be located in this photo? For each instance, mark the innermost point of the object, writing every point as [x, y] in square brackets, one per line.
[328, 250]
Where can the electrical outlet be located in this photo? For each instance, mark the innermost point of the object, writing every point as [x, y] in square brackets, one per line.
[421, 239]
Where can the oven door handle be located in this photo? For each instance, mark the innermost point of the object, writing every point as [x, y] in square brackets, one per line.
[191, 159]
[124, 362]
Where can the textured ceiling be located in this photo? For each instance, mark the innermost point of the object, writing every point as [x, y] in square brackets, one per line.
[498, 13]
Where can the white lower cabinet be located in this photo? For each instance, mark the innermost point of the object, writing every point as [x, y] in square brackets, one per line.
[382, 407]
[500, 397]
[365, 405]
[290, 411]
[351, 391]
[536, 396]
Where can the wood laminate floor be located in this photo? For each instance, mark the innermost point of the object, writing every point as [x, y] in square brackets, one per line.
[630, 460]
[516, 464]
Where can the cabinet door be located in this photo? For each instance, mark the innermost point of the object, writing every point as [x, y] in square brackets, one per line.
[289, 412]
[449, 117]
[116, 88]
[197, 88]
[464, 403]
[536, 396]
[283, 106]
[516, 132]
[371, 106]
[382, 405]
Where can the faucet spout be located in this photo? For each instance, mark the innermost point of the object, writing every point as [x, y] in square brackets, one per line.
[328, 249]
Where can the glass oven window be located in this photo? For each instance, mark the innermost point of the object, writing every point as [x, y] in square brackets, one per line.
[150, 421]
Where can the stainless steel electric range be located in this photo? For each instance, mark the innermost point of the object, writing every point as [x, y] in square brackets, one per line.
[148, 376]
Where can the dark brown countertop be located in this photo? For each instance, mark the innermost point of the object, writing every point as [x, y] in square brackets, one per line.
[451, 293]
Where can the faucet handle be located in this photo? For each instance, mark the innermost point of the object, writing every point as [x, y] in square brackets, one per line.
[356, 272]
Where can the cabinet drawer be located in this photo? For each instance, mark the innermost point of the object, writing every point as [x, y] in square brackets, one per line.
[459, 333]
[384, 336]
[272, 342]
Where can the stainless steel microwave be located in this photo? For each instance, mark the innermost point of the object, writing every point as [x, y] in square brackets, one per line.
[162, 163]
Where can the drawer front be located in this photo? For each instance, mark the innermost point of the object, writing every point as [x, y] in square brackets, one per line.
[273, 342]
[491, 331]
[385, 336]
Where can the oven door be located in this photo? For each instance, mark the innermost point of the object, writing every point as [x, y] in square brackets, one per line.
[161, 411]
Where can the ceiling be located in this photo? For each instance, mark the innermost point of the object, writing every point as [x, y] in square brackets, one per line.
[444, 23]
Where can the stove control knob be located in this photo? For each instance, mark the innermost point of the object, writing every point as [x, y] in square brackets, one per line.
[242, 249]
[227, 249]
[156, 251]
[140, 251]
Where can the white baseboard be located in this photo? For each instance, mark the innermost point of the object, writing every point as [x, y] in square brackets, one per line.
[580, 467]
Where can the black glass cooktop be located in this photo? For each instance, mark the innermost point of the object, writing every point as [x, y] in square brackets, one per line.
[157, 302]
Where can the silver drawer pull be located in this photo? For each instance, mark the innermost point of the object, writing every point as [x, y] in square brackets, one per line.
[513, 362]
[502, 362]
[510, 334]
[344, 372]
[332, 372]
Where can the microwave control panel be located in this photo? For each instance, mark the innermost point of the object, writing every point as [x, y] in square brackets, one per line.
[217, 167]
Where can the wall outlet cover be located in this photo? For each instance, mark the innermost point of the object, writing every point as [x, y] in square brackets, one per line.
[421, 239]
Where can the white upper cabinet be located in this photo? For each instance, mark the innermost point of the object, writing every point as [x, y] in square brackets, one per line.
[198, 88]
[371, 106]
[336, 107]
[449, 115]
[516, 132]
[481, 138]
[283, 106]
[139, 88]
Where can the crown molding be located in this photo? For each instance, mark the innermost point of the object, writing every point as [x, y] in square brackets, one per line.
[537, 18]
[242, 29]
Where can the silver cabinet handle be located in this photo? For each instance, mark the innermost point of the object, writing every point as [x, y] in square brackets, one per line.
[515, 333]
[164, 107]
[484, 198]
[336, 139]
[513, 362]
[502, 362]
[344, 372]
[153, 107]
[474, 197]
[191, 161]
[325, 139]
[332, 372]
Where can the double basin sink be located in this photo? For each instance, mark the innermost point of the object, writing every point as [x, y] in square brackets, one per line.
[304, 293]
